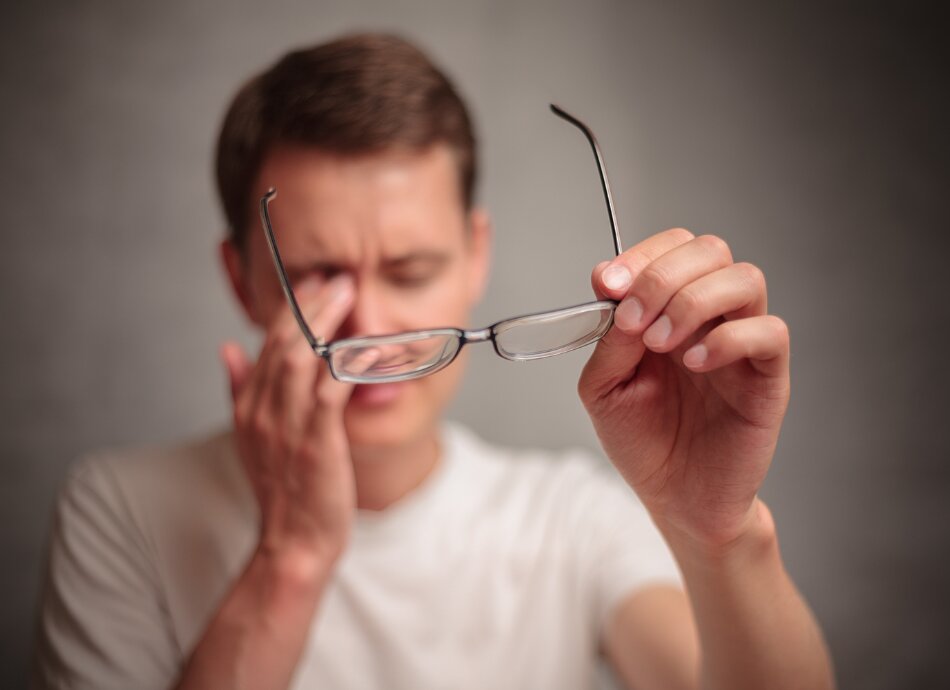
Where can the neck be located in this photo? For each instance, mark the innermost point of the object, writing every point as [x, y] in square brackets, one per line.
[385, 475]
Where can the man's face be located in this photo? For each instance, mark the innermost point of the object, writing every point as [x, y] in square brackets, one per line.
[395, 223]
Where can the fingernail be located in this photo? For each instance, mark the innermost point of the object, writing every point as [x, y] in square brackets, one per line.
[616, 277]
[628, 314]
[657, 334]
[695, 356]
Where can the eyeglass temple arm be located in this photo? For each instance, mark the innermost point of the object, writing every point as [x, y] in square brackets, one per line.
[317, 344]
[314, 342]
[608, 197]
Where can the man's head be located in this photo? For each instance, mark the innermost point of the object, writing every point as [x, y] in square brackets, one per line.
[373, 156]
[357, 95]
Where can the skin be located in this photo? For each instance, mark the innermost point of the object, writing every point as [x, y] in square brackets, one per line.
[381, 243]
[687, 395]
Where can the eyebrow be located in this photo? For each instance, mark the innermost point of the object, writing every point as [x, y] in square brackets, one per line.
[435, 259]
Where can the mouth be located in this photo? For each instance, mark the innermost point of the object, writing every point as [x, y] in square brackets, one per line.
[377, 394]
[390, 368]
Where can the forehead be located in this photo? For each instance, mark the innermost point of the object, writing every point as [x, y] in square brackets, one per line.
[341, 208]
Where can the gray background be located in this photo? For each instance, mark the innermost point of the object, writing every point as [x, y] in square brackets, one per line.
[813, 138]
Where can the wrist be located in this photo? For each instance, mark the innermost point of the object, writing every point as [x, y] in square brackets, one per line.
[753, 538]
[293, 571]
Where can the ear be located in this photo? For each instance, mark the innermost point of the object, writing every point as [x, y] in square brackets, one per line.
[480, 241]
[237, 269]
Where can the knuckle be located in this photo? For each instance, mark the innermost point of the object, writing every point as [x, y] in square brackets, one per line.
[779, 328]
[729, 335]
[584, 391]
[753, 275]
[306, 451]
[655, 280]
[294, 362]
[716, 245]
[590, 393]
[681, 234]
[242, 412]
[277, 339]
[687, 301]
[259, 423]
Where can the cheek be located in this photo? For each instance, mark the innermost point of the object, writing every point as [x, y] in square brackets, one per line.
[441, 387]
[266, 295]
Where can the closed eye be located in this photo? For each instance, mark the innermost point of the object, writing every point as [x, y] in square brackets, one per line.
[416, 270]
[413, 280]
[322, 272]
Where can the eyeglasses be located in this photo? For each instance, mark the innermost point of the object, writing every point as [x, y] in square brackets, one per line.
[414, 354]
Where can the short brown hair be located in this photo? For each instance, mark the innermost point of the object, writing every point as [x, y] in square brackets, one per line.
[358, 94]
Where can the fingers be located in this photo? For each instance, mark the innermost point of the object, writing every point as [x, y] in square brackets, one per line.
[612, 279]
[613, 362]
[275, 398]
[595, 280]
[656, 284]
[763, 340]
[615, 277]
[238, 366]
[296, 384]
[317, 300]
[736, 291]
[675, 289]
[615, 359]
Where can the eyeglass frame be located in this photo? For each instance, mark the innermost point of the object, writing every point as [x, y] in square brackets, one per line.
[464, 336]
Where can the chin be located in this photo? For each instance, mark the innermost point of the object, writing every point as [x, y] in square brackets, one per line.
[384, 416]
[392, 415]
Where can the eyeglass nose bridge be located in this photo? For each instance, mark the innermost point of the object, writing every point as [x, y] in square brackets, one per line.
[478, 336]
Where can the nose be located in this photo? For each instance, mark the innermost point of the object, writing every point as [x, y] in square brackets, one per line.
[369, 314]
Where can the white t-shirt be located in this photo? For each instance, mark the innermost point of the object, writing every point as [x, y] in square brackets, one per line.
[499, 571]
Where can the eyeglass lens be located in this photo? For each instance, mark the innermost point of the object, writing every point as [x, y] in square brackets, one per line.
[409, 355]
[543, 335]
[404, 356]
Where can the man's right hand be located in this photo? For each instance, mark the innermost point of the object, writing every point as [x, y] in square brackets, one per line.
[288, 420]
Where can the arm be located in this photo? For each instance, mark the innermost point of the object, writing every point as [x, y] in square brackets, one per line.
[743, 611]
[288, 416]
[650, 640]
[687, 393]
[754, 627]
[257, 635]
[103, 621]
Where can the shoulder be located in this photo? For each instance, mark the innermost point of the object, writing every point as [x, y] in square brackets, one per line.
[107, 607]
[133, 464]
[156, 470]
[141, 489]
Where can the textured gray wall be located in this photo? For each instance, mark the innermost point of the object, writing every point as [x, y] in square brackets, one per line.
[813, 139]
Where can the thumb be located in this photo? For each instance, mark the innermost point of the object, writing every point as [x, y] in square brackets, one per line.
[614, 362]
[237, 364]
[616, 356]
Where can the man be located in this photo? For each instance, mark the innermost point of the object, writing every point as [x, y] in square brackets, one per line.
[342, 536]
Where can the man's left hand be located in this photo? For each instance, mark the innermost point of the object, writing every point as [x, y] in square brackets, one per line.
[688, 389]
